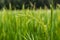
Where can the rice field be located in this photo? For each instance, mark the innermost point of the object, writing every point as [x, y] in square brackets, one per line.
[30, 24]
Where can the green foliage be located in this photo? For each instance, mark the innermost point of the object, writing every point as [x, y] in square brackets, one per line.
[29, 24]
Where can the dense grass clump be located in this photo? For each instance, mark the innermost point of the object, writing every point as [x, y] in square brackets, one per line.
[29, 24]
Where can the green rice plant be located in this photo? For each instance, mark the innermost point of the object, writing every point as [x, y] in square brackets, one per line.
[30, 24]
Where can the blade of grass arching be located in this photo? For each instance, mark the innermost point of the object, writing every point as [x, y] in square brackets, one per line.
[28, 36]
[22, 36]
[32, 37]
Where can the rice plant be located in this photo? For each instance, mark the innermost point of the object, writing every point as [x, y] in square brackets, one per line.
[30, 24]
